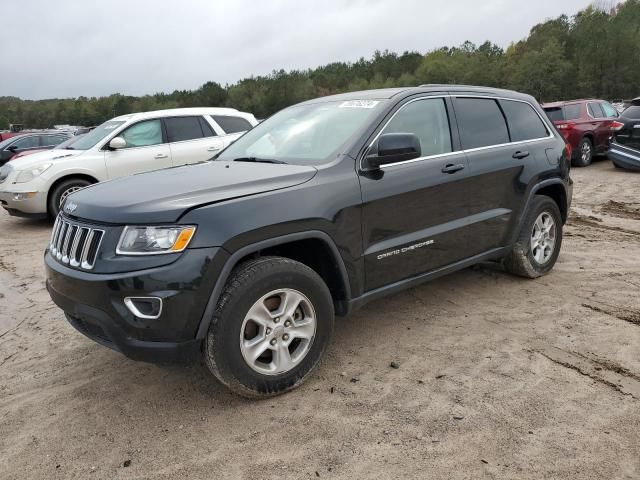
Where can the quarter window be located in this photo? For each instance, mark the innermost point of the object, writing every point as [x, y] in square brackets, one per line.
[232, 124]
[180, 129]
[143, 134]
[595, 110]
[524, 122]
[480, 122]
[428, 120]
[608, 110]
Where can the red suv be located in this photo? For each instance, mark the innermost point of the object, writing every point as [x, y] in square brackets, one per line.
[585, 125]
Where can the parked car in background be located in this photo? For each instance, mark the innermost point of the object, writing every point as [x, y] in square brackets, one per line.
[29, 141]
[625, 145]
[134, 143]
[64, 145]
[585, 124]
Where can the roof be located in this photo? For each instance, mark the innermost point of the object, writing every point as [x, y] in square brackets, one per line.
[562, 103]
[387, 93]
[179, 112]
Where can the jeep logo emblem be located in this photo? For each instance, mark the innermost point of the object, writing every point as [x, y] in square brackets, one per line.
[70, 207]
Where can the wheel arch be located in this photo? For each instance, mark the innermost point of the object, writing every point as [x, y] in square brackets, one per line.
[70, 176]
[313, 248]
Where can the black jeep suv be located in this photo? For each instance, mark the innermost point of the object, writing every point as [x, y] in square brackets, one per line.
[326, 205]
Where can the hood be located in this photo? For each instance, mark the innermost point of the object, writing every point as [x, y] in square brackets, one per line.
[163, 196]
[44, 156]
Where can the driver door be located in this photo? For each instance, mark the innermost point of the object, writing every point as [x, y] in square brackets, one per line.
[146, 150]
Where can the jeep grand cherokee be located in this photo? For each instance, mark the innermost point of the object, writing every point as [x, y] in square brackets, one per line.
[321, 208]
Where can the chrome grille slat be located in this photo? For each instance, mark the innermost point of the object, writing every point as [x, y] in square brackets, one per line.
[74, 244]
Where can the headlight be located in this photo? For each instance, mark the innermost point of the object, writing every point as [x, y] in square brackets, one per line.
[154, 240]
[28, 175]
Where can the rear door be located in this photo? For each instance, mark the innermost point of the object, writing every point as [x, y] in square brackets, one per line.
[147, 149]
[414, 212]
[192, 140]
[502, 159]
[601, 126]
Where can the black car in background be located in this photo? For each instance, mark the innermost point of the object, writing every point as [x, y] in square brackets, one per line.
[624, 151]
[30, 141]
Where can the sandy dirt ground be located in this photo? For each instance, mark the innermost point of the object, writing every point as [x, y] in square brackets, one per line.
[499, 377]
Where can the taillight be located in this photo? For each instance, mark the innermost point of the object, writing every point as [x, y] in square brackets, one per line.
[568, 149]
[615, 126]
[566, 126]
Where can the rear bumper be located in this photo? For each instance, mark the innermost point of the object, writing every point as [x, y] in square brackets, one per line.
[624, 157]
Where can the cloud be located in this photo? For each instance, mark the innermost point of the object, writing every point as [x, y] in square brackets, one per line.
[68, 49]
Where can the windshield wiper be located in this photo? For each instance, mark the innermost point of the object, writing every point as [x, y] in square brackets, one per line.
[257, 160]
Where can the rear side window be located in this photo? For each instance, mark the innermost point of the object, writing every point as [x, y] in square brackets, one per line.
[51, 140]
[480, 122]
[232, 124]
[595, 110]
[180, 129]
[572, 112]
[524, 122]
[555, 114]
[428, 120]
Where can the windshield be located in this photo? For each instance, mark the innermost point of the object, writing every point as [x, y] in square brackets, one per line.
[304, 134]
[631, 112]
[555, 114]
[90, 139]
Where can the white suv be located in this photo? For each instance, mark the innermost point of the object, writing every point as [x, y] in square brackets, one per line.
[38, 184]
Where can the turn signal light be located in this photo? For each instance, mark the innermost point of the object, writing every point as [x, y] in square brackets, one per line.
[183, 239]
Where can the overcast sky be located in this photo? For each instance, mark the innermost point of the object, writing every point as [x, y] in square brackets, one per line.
[67, 48]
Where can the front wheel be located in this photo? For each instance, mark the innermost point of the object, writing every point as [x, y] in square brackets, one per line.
[538, 245]
[272, 325]
[60, 193]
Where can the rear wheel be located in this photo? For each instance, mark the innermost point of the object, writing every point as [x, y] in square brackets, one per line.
[538, 245]
[585, 153]
[272, 324]
[60, 193]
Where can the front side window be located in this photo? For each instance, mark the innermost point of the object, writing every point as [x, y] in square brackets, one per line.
[231, 124]
[180, 129]
[480, 122]
[306, 134]
[143, 134]
[608, 110]
[595, 110]
[524, 122]
[428, 120]
[26, 142]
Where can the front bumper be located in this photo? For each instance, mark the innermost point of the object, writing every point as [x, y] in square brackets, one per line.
[36, 205]
[94, 304]
[624, 157]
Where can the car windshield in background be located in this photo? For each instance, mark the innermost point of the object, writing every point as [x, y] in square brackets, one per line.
[560, 114]
[67, 143]
[555, 114]
[304, 134]
[93, 137]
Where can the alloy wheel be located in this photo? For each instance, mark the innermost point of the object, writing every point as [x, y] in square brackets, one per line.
[278, 331]
[543, 238]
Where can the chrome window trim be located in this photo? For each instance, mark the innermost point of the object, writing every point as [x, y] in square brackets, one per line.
[462, 150]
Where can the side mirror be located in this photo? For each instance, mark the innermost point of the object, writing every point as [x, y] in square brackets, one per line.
[392, 148]
[117, 143]
[12, 148]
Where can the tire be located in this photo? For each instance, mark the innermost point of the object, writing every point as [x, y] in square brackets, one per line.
[585, 153]
[271, 282]
[526, 260]
[60, 192]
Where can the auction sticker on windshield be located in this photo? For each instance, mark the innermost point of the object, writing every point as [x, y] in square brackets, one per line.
[359, 104]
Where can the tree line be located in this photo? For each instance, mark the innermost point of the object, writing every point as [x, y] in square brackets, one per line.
[595, 53]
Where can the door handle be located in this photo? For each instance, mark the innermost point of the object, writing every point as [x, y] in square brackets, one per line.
[520, 154]
[161, 155]
[452, 168]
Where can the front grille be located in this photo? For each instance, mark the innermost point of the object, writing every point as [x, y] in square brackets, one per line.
[75, 245]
